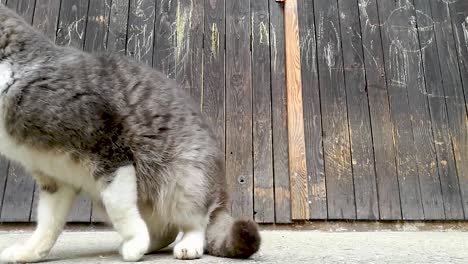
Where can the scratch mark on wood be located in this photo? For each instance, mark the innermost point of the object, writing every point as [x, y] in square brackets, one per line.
[214, 41]
[183, 25]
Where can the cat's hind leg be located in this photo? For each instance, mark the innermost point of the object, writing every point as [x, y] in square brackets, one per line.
[55, 202]
[120, 201]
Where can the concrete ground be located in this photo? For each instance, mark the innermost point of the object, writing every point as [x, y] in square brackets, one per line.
[281, 246]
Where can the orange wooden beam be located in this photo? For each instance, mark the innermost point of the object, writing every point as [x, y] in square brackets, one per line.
[297, 155]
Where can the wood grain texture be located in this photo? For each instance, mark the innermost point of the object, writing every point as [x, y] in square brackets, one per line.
[18, 196]
[141, 31]
[312, 111]
[279, 115]
[459, 17]
[261, 96]
[337, 154]
[239, 164]
[395, 59]
[4, 164]
[189, 26]
[117, 35]
[23, 7]
[165, 37]
[417, 38]
[362, 152]
[381, 123]
[19, 185]
[297, 158]
[71, 32]
[451, 200]
[46, 15]
[97, 26]
[214, 67]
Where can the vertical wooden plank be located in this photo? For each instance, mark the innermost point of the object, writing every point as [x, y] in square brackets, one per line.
[17, 201]
[339, 178]
[213, 66]
[358, 112]
[141, 31]
[23, 7]
[436, 99]
[117, 36]
[46, 17]
[46, 14]
[459, 17]
[279, 115]
[96, 42]
[4, 164]
[412, 37]
[239, 108]
[312, 111]
[165, 37]
[261, 96]
[382, 128]
[395, 59]
[189, 46]
[19, 186]
[297, 158]
[97, 26]
[71, 32]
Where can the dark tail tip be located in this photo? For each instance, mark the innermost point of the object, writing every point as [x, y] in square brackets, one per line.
[245, 238]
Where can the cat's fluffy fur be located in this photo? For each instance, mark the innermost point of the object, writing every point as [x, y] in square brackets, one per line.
[120, 132]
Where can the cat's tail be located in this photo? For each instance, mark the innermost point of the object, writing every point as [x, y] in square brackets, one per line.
[231, 238]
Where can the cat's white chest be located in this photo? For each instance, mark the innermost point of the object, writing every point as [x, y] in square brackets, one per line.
[6, 75]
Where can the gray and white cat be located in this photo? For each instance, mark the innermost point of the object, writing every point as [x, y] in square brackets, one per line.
[120, 132]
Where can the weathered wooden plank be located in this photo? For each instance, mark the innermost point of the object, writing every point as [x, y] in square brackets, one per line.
[338, 171]
[261, 95]
[239, 108]
[97, 26]
[436, 100]
[382, 128]
[72, 23]
[451, 36]
[117, 35]
[414, 36]
[23, 7]
[19, 185]
[46, 15]
[189, 46]
[71, 32]
[297, 159]
[312, 111]
[279, 115]
[459, 17]
[362, 152]
[17, 200]
[213, 66]
[395, 66]
[141, 31]
[165, 38]
[4, 164]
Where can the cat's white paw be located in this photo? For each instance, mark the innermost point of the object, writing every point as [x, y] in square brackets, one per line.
[134, 249]
[20, 254]
[188, 249]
